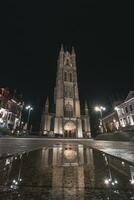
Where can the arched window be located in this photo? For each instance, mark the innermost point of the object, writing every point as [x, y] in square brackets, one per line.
[70, 77]
[65, 76]
[68, 111]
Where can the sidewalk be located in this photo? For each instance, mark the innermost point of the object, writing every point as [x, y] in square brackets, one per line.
[123, 150]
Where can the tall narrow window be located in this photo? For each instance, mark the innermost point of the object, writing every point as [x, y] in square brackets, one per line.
[126, 109]
[65, 76]
[131, 107]
[70, 77]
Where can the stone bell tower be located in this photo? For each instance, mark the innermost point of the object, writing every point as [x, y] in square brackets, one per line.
[67, 120]
[68, 117]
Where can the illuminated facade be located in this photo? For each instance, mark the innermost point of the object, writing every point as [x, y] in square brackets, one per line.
[125, 111]
[10, 110]
[67, 120]
[111, 122]
[122, 118]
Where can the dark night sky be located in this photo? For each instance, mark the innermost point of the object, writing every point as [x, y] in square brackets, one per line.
[31, 33]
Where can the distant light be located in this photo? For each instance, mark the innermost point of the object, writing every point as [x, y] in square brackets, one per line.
[122, 163]
[132, 181]
[103, 108]
[106, 181]
[113, 183]
[29, 107]
[97, 108]
[116, 108]
[7, 162]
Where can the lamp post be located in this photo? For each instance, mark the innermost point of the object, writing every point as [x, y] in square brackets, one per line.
[29, 108]
[100, 109]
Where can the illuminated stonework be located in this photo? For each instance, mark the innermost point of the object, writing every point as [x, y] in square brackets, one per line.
[69, 126]
[67, 120]
[70, 154]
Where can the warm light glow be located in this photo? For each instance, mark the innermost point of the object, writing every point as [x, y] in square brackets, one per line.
[99, 108]
[116, 181]
[29, 107]
[116, 108]
[132, 181]
[122, 163]
[70, 154]
[106, 181]
[69, 126]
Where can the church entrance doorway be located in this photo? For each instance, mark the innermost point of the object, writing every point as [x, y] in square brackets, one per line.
[70, 130]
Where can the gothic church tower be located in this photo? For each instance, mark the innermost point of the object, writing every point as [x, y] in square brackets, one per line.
[68, 119]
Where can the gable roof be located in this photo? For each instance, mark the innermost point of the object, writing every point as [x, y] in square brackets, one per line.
[130, 95]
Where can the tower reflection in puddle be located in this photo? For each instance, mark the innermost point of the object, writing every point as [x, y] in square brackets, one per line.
[68, 167]
[67, 171]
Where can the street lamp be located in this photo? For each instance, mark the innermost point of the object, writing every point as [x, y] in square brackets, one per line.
[116, 108]
[29, 108]
[100, 109]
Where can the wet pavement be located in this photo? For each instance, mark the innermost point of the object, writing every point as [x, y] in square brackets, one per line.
[65, 170]
[9, 146]
[123, 150]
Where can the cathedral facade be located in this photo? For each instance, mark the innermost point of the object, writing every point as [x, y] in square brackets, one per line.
[67, 120]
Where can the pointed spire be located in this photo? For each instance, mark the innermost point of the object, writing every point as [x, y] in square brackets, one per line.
[47, 101]
[86, 108]
[73, 51]
[62, 48]
[47, 105]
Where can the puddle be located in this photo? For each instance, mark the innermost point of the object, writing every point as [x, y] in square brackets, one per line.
[66, 171]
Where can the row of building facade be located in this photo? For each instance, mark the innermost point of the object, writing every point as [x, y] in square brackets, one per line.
[122, 116]
[10, 110]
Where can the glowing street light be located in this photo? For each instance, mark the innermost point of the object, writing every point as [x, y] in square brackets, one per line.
[100, 109]
[29, 108]
[132, 181]
[106, 181]
[116, 108]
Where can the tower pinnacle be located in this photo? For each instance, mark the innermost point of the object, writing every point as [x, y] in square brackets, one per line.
[47, 105]
[86, 108]
[62, 48]
[73, 51]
